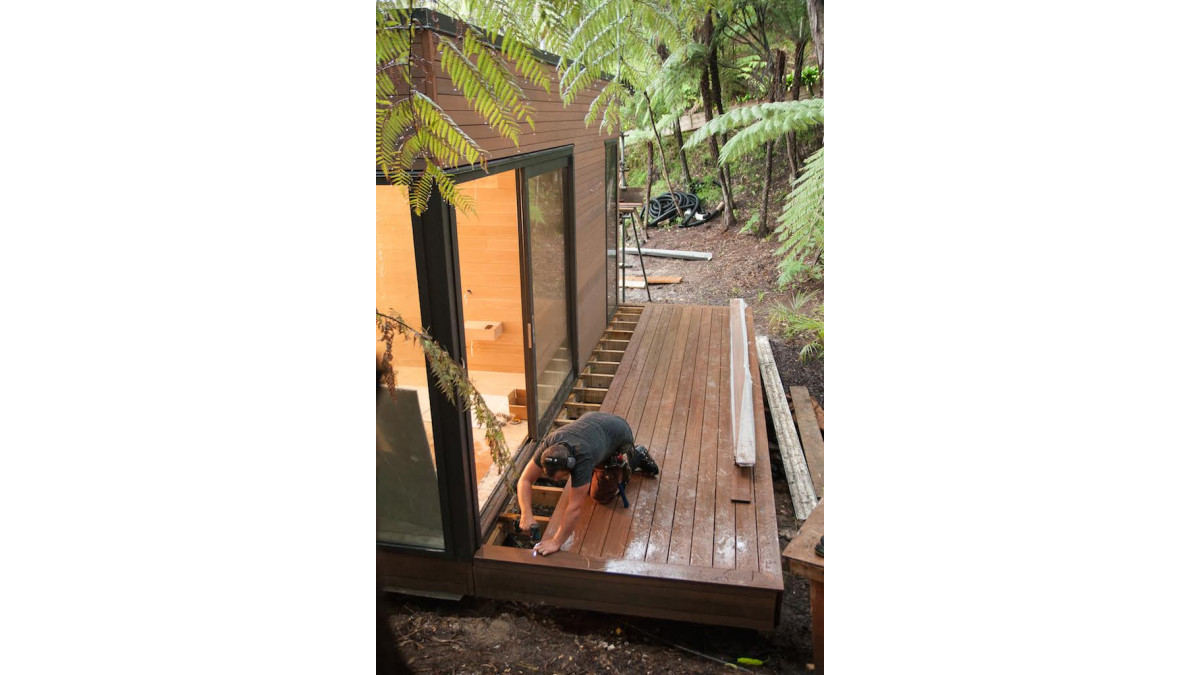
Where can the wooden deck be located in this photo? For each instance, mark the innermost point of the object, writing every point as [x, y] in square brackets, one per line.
[684, 549]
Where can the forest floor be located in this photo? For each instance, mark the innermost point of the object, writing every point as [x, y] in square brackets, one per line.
[476, 635]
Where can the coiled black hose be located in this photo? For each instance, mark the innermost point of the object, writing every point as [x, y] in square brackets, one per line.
[662, 209]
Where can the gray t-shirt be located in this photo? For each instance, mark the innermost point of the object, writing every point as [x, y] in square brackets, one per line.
[593, 438]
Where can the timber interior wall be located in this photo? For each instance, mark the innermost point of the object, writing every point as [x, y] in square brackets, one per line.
[396, 270]
[490, 271]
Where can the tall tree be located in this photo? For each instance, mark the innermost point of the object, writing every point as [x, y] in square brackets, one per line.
[816, 19]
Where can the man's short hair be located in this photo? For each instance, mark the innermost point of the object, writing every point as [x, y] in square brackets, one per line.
[555, 458]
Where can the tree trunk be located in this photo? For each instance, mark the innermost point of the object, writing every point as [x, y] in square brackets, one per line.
[798, 68]
[763, 228]
[793, 146]
[714, 79]
[728, 219]
[816, 24]
[663, 154]
[687, 175]
[649, 177]
[775, 80]
[663, 55]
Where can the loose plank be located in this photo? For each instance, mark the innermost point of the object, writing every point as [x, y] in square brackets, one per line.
[810, 437]
[800, 484]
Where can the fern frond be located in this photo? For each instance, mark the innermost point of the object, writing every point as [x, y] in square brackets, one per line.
[764, 122]
[801, 226]
[490, 90]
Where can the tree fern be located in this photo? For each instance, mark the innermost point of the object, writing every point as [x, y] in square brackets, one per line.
[413, 133]
[763, 123]
[801, 228]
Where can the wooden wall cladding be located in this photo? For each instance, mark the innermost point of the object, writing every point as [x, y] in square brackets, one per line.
[490, 271]
[554, 126]
[396, 269]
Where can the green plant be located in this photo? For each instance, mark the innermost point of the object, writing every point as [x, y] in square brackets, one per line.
[790, 320]
[751, 225]
[809, 76]
[760, 124]
[451, 379]
[709, 193]
[412, 130]
[801, 228]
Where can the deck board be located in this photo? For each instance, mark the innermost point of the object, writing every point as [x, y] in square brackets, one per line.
[659, 543]
[724, 530]
[642, 425]
[701, 550]
[680, 542]
[683, 549]
[595, 535]
[643, 509]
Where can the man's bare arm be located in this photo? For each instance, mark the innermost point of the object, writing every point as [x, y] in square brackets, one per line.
[531, 473]
[576, 496]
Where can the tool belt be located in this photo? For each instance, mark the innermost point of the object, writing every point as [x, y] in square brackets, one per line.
[609, 480]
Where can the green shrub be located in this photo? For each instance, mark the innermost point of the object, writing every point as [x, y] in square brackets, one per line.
[790, 320]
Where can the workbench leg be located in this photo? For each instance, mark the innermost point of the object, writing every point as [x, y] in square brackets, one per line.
[816, 596]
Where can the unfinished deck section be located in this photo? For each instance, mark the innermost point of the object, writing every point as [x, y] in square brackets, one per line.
[684, 549]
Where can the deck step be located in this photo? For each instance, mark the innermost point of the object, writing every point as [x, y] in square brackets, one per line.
[603, 367]
[576, 405]
[589, 394]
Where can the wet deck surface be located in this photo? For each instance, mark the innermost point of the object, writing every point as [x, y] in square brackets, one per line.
[672, 386]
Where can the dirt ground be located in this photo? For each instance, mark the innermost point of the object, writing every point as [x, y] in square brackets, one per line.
[484, 636]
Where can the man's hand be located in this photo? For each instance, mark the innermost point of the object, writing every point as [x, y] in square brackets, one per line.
[526, 522]
[546, 547]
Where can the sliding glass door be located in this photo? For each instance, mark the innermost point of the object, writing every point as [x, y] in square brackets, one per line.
[548, 238]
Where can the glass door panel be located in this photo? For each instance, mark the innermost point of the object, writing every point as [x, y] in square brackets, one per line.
[610, 225]
[546, 195]
[407, 499]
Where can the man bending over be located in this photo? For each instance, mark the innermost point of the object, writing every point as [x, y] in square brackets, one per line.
[595, 440]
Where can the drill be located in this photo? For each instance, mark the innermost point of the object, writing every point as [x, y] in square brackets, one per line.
[527, 540]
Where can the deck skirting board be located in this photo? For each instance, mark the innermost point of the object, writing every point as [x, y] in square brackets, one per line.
[639, 592]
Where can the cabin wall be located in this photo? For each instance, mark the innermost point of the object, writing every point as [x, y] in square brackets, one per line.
[554, 126]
